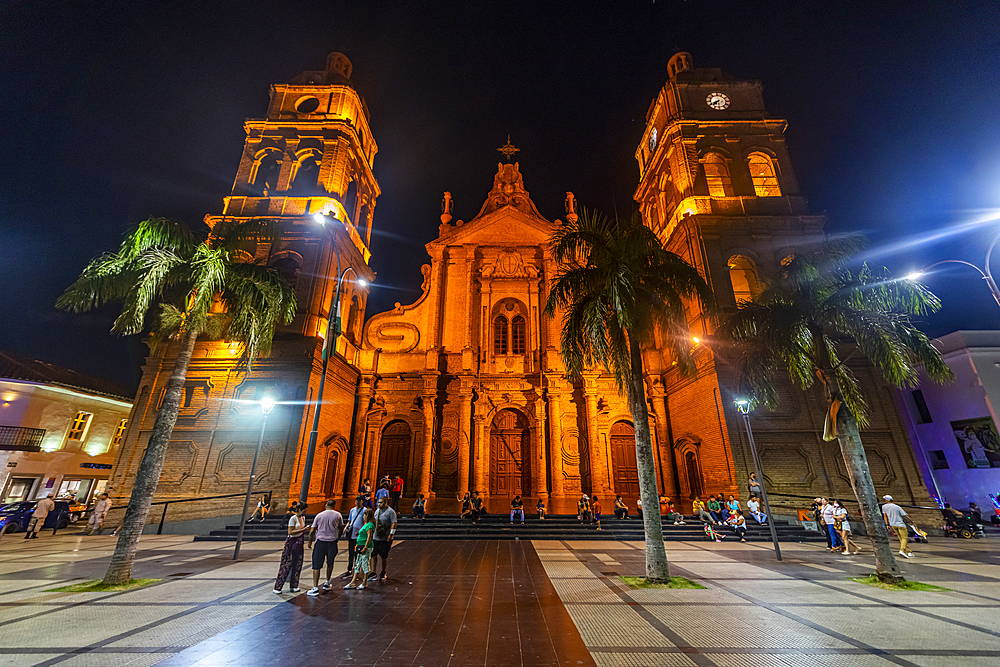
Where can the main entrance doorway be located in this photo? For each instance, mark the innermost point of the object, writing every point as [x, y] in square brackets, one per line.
[626, 472]
[509, 473]
[394, 450]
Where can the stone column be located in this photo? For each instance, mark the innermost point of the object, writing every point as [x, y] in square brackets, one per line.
[481, 456]
[425, 457]
[599, 482]
[464, 439]
[555, 435]
[538, 476]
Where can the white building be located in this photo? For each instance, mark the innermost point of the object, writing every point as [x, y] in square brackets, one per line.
[953, 426]
[58, 430]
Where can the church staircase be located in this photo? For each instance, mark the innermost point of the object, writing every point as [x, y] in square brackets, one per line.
[555, 527]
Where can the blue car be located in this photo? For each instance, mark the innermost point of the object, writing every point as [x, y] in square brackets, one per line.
[14, 517]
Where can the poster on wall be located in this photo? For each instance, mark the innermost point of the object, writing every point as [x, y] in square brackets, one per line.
[979, 441]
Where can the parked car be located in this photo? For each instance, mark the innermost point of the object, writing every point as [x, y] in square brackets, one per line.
[14, 517]
[76, 510]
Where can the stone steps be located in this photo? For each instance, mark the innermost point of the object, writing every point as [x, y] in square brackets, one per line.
[494, 527]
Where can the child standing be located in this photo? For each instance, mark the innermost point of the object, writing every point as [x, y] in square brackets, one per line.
[596, 506]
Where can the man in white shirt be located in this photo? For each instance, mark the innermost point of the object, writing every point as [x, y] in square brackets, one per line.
[101, 510]
[753, 506]
[826, 511]
[893, 515]
[326, 529]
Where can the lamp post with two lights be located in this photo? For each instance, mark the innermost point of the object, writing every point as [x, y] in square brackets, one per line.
[743, 405]
[266, 405]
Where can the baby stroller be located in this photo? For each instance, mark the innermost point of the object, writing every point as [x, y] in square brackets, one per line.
[964, 525]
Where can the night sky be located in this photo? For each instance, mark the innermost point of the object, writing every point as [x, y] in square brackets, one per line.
[117, 111]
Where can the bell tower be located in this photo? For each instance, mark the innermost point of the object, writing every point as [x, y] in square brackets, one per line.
[716, 184]
[308, 165]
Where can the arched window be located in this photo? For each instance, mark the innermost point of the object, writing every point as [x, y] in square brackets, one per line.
[351, 199]
[265, 175]
[352, 319]
[500, 335]
[307, 176]
[743, 276]
[518, 337]
[288, 267]
[765, 180]
[717, 176]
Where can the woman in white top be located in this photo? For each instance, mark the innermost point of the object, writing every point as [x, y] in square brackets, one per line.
[291, 555]
[840, 514]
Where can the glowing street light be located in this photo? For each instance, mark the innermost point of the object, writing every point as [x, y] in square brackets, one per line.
[985, 272]
[266, 405]
[744, 405]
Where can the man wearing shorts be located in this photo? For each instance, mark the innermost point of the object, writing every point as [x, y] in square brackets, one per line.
[326, 530]
[385, 529]
[355, 520]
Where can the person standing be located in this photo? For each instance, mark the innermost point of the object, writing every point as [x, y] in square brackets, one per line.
[596, 506]
[753, 486]
[291, 556]
[385, 530]
[355, 520]
[37, 521]
[896, 519]
[638, 508]
[366, 491]
[826, 511]
[326, 529]
[840, 514]
[817, 510]
[362, 549]
[396, 492]
[96, 520]
[383, 492]
[583, 509]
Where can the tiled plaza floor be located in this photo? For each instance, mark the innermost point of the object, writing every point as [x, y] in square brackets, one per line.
[507, 603]
[802, 612]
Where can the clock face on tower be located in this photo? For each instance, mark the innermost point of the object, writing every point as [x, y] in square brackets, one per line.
[652, 139]
[717, 101]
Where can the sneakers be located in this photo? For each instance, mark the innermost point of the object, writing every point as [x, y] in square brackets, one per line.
[361, 587]
[382, 576]
[346, 575]
[277, 591]
[906, 555]
[313, 592]
[350, 586]
[327, 586]
[372, 575]
[296, 590]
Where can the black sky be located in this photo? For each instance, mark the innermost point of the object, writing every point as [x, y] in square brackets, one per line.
[117, 111]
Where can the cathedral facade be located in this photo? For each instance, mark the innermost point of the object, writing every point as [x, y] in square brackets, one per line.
[465, 388]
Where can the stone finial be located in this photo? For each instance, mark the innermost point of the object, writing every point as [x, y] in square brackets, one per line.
[571, 215]
[339, 63]
[446, 206]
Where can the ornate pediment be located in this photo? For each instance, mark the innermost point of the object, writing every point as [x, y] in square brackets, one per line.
[509, 264]
[508, 190]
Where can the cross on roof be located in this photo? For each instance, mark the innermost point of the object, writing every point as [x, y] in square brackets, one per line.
[508, 149]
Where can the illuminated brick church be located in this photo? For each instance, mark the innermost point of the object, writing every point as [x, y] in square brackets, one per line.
[464, 389]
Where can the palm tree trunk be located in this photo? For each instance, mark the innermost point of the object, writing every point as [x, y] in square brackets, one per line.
[851, 447]
[657, 567]
[148, 475]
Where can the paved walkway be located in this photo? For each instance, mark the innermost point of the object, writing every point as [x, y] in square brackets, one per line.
[505, 603]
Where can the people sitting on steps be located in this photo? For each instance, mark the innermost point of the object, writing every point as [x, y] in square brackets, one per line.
[418, 507]
[517, 510]
[698, 509]
[540, 508]
[671, 514]
[467, 506]
[621, 509]
[715, 510]
[753, 506]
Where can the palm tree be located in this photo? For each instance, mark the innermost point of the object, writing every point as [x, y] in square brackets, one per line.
[815, 316]
[618, 286]
[201, 289]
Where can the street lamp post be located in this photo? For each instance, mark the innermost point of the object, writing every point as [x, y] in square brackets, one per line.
[266, 405]
[332, 332]
[985, 272]
[743, 405]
